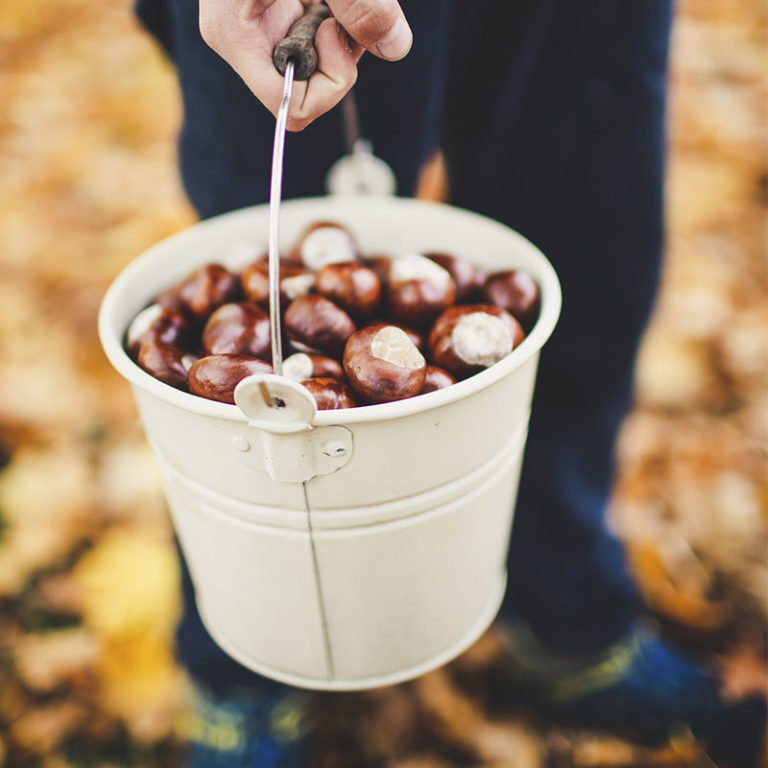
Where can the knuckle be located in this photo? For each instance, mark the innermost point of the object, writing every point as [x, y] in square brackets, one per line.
[370, 19]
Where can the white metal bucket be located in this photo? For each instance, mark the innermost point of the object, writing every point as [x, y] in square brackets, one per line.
[347, 549]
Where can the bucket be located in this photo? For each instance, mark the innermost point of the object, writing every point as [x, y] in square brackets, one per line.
[341, 550]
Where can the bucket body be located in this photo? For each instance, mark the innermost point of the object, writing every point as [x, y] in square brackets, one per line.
[366, 546]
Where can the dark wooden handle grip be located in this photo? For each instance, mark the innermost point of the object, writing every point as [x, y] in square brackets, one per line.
[299, 44]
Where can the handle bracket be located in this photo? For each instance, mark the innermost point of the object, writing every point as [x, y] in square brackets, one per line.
[282, 413]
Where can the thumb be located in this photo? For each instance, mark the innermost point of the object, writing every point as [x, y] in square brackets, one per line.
[378, 25]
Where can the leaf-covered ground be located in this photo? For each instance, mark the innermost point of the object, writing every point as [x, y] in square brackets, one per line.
[88, 579]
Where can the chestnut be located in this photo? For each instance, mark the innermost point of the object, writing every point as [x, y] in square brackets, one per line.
[216, 376]
[159, 324]
[200, 293]
[436, 378]
[301, 366]
[466, 339]
[164, 362]
[314, 323]
[464, 273]
[324, 242]
[418, 291]
[294, 282]
[383, 364]
[517, 292]
[353, 287]
[238, 328]
[330, 394]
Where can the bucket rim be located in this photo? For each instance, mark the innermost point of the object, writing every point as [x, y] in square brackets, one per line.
[111, 334]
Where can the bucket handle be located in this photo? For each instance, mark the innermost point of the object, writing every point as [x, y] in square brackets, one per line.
[293, 449]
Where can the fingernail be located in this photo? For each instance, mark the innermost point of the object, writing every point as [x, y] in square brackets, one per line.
[397, 42]
[344, 37]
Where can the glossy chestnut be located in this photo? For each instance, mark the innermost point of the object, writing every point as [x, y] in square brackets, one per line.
[436, 378]
[216, 376]
[382, 364]
[466, 339]
[156, 323]
[466, 276]
[353, 287]
[330, 394]
[517, 292]
[207, 288]
[325, 242]
[164, 362]
[318, 325]
[418, 290]
[294, 282]
[238, 328]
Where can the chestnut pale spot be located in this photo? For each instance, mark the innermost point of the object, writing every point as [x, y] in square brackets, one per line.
[298, 367]
[188, 360]
[142, 323]
[299, 285]
[414, 266]
[481, 339]
[327, 245]
[392, 345]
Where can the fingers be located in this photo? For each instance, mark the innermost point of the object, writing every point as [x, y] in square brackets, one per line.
[336, 74]
[378, 25]
[246, 42]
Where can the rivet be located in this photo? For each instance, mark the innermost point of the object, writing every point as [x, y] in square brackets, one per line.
[239, 443]
[334, 448]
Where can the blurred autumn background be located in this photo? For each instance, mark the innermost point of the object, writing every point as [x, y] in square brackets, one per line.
[88, 580]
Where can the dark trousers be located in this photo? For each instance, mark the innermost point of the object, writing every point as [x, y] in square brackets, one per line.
[551, 117]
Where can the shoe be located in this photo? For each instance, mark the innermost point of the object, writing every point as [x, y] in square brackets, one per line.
[246, 728]
[638, 688]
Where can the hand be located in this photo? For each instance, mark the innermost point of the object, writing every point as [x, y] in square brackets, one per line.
[245, 32]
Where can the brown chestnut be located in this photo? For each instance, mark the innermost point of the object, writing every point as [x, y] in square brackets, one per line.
[353, 287]
[164, 362]
[294, 282]
[314, 323]
[383, 364]
[238, 328]
[436, 378]
[330, 394]
[200, 293]
[325, 242]
[464, 274]
[216, 376]
[159, 324]
[517, 292]
[418, 291]
[466, 339]
[301, 366]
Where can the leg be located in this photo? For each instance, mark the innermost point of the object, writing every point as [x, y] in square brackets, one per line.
[554, 125]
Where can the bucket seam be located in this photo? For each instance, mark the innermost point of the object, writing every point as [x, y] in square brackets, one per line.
[319, 589]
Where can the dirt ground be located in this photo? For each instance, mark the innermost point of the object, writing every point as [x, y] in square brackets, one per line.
[88, 578]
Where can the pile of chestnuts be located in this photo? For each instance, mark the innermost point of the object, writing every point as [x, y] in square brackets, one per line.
[356, 330]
